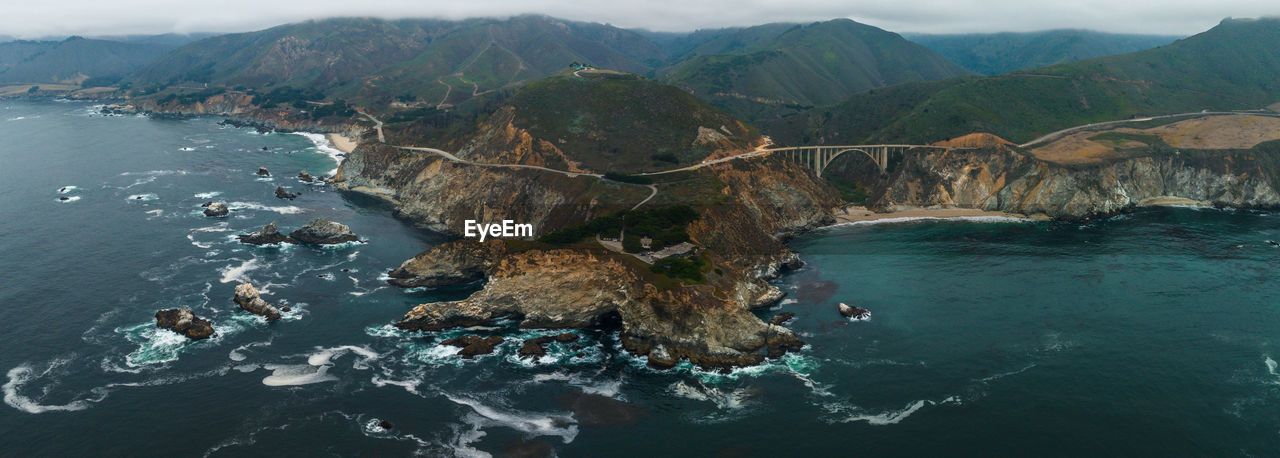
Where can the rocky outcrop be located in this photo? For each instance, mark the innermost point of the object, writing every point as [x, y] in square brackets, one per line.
[281, 193]
[574, 288]
[262, 171]
[536, 347]
[269, 234]
[324, 232]
[249, 300]
[182, 321]
[782, 318]
[473, 346]
[305, 177]
[853, 311]
[448, 264]
[215, 209]
[1005, 180]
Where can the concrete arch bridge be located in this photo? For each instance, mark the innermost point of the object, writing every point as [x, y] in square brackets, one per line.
[818, 157]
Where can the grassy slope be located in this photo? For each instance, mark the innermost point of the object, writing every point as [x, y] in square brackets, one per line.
[1231, 66]
[811, 65]
[639, 117]
[998, 53]
[42, 62]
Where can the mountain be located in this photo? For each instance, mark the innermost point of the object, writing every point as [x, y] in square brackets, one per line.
[73, 60]
[1229, 67]
[421, 61]
[600, 121]
[997, 53]
[758, 72]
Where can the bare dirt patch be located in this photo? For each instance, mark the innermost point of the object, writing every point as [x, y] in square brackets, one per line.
[1204, 133]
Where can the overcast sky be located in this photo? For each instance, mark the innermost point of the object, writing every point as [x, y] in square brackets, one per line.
[35, 18]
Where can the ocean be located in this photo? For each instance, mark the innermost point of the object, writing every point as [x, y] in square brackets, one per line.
[1151, 333]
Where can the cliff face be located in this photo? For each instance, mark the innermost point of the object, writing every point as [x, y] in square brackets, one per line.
[1004, 180]
[441, 194]
[576, 288]
[239, 107]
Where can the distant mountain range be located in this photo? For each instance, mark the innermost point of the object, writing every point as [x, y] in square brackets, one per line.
[1232, 66]
[997, 53]
[74, 60]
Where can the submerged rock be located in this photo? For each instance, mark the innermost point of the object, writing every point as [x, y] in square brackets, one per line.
[281, 193]
[535, 347]
[857, 313]
[215, 209]
[304, 176]
[182, 321]
[249, 300]
[262, 171]
[267, 235]
[324, 232]
[473, 345]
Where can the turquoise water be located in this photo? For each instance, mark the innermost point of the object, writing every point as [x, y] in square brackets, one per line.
[1151, 333]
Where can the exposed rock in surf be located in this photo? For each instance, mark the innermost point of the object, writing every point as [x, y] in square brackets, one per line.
[215, 209]
[262, 171]
[857, 313]
[304, 176]
[384, 424]
[64, 198]
[281, 193]
[267, 235]
[182, 321]
[454, 263]
[782, 318]
[324, 232]
[249, 300]
[535, 347]
[473, 345]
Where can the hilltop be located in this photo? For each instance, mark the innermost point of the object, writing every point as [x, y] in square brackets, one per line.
[998, 53]
[600, 121]
[759, 72]
[1230, 67]
[74, 60]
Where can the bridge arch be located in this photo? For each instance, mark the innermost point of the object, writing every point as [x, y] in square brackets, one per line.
[818, 157]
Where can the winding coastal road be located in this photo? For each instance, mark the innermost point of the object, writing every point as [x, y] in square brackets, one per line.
[1070, 130]
[376, 125]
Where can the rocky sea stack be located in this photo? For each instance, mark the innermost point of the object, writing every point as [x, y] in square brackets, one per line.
[306, 177]
[215, 209]
[473, 345]
[262, 171]
[182, 321]
[324, 232]
[282, 193]
[249, 300]
[267, 235]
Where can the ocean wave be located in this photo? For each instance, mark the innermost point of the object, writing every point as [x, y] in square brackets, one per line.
[326, 148]
[145, 197]
[67, 189]
[68, 199]
[532, 423]
[852, 414]
[608, 388]
[317, 367]
[23, 374]
[926, 219]
[207, 195]
[283, 210]
[725, 399]
[238, 273]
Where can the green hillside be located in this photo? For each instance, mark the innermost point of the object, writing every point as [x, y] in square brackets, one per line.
[1232, 66]
[73, 59]
[420, 62]
[648, 125]
[997, 53]
[760, 71]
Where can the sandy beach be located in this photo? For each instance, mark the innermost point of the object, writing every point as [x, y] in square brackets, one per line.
[855, 214]
[342, 142]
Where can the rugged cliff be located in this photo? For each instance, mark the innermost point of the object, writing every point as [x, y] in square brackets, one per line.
[1005, 180]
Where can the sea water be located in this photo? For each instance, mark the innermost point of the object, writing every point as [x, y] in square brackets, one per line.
[1154, 333]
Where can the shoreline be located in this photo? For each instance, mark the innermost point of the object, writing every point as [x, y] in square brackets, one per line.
[342, 142]
[859, 214]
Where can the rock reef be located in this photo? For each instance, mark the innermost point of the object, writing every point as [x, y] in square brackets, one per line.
[473, 346]
[215, 209]
[324, 232]
[249, 300]
[269, 234]
[183, 321]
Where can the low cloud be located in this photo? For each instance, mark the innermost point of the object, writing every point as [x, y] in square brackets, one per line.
[1171, 17]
